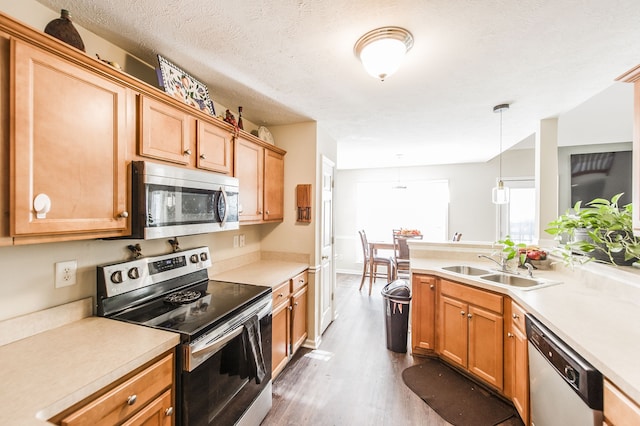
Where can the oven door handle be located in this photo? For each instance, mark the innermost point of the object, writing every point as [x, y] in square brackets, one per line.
[197, 354]
[214, 345]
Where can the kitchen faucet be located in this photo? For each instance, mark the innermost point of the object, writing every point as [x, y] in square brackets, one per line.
[502, 264]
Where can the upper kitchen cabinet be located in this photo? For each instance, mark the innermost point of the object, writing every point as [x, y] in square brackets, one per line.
[166, 132]
[69, 136]
[260, 169]
[633, 76]
[172, 134]
[214, 148]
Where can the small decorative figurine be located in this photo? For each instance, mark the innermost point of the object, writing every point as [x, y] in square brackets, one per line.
[240, 125]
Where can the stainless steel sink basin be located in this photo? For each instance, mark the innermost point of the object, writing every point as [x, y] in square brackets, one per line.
[513, 280]
[466, 270]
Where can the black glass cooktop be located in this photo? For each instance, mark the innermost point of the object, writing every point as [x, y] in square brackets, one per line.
[196, 308]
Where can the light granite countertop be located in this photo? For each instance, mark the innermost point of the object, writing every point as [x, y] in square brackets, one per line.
[594, 308]
[269, 273]
[44, 374]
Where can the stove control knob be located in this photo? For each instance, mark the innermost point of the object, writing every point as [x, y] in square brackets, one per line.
[134, 273]
[204, 256]
[116, 277]
[194, 258]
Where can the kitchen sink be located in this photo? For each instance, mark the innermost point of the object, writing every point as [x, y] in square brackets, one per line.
[513, 280]
[466, 270]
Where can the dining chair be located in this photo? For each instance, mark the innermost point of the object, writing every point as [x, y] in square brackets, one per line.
[401, 262]
[371, 263]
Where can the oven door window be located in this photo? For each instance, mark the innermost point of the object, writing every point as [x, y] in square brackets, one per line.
[219, 390]
[170, 205]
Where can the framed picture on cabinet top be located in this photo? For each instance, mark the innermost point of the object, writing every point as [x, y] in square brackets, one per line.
[183, 86]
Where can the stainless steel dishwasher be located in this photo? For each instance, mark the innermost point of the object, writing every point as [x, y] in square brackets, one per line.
[565, 388]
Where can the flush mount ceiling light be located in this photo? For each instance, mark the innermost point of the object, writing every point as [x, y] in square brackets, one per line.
[381, 51]
[500, 194]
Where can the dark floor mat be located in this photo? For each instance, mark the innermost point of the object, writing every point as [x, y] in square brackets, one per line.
[455, 398]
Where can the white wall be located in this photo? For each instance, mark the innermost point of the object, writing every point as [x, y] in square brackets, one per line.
[471, 211]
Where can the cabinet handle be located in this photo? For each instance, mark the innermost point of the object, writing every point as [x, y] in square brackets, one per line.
[515, 316]
[280, 295]
[168, 411]
[291, 308]
[432, 286]
[124, 215]
[267, 211]
[259, 211]
[462, 313]
[187, 151]
[132, 399]
[469, 316]
[42, 205]
[203, 157]
[295, 304]
[509, 334]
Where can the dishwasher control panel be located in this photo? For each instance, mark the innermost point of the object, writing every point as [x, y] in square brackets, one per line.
[574, 369]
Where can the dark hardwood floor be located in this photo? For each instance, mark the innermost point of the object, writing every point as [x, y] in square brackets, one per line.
[352, 379]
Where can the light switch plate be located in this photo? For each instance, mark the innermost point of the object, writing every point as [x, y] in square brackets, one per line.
[66, 273]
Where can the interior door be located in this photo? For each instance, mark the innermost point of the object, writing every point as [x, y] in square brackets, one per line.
[327, 273]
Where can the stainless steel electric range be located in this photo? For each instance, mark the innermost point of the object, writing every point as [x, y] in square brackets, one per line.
[223, 371]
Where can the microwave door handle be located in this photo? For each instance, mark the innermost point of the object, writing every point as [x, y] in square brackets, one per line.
[226, 204]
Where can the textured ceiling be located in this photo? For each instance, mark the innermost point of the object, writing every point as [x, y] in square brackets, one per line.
[287, 61]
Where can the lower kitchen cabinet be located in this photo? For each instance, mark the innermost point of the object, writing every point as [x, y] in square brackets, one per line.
[470, 328]
[516, 360]
[289, 320]
[280, 328]
[423, 318]
[619, 409]
[144, 397]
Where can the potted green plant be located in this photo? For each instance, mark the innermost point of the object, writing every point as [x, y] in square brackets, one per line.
[602, 230]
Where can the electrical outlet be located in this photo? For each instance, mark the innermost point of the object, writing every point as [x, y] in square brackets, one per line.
[66, 273]
[241, 240]
[235, 241]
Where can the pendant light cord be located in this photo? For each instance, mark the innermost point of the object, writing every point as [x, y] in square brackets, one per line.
[500, 153]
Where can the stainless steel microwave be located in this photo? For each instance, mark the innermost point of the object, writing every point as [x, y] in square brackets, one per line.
[170, 201]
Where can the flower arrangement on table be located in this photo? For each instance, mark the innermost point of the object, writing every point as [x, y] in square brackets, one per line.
[408, 232]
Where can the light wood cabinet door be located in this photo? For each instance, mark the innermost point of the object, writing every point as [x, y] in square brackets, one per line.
[128, 398]
[159, 412]
[470, 327]
[516, 360]
[485, 345]
[453, 330]
[298, 318]
[248, 168]
[273, 186]
[280, 329]
[5, 239]
[69, 144]
[423, 317]
[166, 132]
[214, 148]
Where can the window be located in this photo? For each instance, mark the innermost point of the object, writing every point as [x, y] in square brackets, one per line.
[421, 204]
[517, 219]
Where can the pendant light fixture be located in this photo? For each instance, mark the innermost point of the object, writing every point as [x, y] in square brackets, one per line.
[381, 50]
[500, 194]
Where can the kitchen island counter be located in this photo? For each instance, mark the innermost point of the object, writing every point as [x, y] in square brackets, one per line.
[593, 308]
[46, 373]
